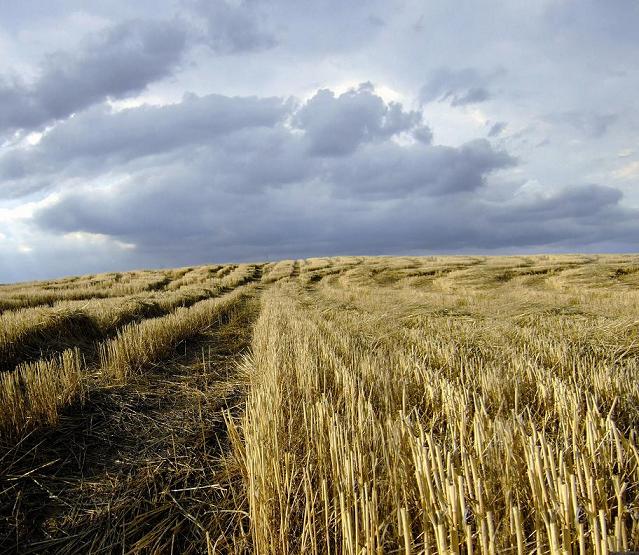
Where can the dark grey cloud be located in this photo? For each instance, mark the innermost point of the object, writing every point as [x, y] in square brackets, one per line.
[306, 221]
[585, 202]
[588, 21]
[423, 134]
[100, 140]
[200, 227]
[337, 125]
[258, 191]
[459, 87]
[119, 61]
[591, 124]
[388, 170]
[234, 27]
[376, 20]
[325, 28]
[497, 128]
[255, 156]
[246, 144]
[474, 95]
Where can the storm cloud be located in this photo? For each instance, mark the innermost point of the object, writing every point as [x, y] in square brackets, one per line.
[121, 60]
[459, 87]
[234, 27]
[336, 126]
[259, 186]
[99, 139]
[182, 132]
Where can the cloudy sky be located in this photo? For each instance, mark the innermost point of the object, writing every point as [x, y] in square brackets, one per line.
[176, 132]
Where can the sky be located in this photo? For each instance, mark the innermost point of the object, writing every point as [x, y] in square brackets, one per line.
[170, 133]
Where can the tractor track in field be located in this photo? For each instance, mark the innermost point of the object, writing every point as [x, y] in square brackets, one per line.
[79, 330]
[138, 467]
[296, 270]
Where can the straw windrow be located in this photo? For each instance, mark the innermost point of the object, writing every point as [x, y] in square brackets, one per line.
[331, 405]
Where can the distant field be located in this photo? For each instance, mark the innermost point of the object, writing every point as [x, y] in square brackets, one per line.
[329, 405]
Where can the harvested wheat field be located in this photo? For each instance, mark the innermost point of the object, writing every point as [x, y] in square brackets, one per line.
[329, 405]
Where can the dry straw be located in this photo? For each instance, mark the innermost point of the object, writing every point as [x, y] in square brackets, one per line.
[394, 405]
